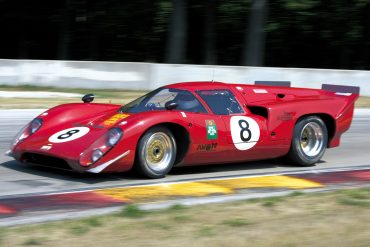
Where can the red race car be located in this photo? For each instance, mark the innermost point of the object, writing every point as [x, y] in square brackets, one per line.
[189, 124]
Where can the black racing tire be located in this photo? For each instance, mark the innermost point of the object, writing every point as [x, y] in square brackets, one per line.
[156, 152]
[309, 141]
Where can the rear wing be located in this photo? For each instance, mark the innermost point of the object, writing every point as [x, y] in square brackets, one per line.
[351, 94]
[337, 89]
[345, 90]
[273, 83]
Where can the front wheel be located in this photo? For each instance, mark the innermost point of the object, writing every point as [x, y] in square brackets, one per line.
[156, 152]
[309, 141]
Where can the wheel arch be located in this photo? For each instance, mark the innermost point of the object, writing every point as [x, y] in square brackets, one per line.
[181, 135]
[327, 119]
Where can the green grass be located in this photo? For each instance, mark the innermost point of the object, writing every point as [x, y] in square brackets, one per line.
[177, 207]
[354, 202]
[113, 96]
[93, 222]
[2, 235]
[356, 194]
[159, 225]
[85, 225]
[106, 93]
[296, 193]
[132, 211]
[32, 242]
[205, 231]
[340, 218]
[238, 222]
[182, 218]
[363, 102]
[356, 197]
[271, 201]
[79, 229]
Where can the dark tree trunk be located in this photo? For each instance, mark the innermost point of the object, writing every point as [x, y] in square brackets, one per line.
[254, 47]
[176, 44]
[94, 31]
[64, 32]
[209, 34]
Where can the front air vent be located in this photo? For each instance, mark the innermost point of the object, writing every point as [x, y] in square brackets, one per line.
[45, 160]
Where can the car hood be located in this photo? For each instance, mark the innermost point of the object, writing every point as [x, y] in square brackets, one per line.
[90, 124]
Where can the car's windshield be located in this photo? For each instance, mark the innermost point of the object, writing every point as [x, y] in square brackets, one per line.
[157, 100]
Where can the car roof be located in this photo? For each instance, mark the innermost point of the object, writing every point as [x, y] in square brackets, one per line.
[199, 85]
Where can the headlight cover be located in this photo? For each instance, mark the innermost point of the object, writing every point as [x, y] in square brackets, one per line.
[114, 135]
[100, 147]
[28, 130]
[96, 155]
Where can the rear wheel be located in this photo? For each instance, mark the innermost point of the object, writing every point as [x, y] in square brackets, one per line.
[309, 141]
[156, 152]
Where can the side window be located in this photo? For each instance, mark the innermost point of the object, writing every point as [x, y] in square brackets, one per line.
[221, 102]
[187, 102]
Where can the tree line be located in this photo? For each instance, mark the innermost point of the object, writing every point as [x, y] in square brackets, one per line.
[276, 33]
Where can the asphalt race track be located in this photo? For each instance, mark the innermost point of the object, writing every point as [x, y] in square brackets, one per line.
[17, 179]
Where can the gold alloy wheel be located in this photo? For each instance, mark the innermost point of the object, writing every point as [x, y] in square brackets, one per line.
[155, 151]
[312, 139]
[158, 151]
[304, 139]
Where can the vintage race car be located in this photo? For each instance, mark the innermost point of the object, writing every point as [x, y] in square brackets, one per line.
[188, 124]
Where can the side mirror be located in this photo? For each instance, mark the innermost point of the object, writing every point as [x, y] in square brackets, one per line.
[170, 105]
[88, 98]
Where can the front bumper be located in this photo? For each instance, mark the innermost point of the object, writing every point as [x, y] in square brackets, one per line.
[9, 153]
[116, 164]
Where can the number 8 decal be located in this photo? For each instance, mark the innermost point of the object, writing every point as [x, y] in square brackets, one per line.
[245, 132]
[68, 134]
[244, 129]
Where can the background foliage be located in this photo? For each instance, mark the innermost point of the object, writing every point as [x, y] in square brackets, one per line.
[305, 33]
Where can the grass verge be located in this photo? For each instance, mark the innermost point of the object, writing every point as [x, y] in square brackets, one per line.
[340, 218]
[101, 96]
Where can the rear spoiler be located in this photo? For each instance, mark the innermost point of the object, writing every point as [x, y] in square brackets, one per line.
[273, 83]
[326, 87]
[340, 89]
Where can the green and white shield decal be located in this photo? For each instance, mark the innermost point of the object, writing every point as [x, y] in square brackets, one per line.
[211, 130]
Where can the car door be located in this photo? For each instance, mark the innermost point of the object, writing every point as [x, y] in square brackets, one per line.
[244, 132]
[208, 139]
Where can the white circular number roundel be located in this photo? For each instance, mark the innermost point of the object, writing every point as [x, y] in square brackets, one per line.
[68, 134]
[244, 131]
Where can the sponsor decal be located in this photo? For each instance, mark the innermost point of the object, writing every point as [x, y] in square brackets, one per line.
[123, 123]
[46, 147]
[114, 119]
[211, 130]
[260, 90]
[207, 147]
[88, 125]
[343, 94]
[69, 134]
[245, 132]
[286, 116]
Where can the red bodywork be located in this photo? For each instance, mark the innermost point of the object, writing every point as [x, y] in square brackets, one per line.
[275, 109]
